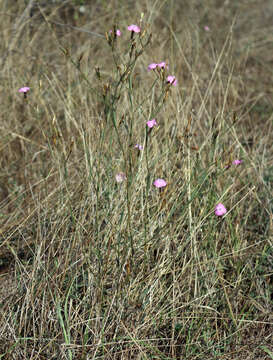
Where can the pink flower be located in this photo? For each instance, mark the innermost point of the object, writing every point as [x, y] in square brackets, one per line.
[206, 28]
[118, 32]
[159, 183]
[24, 89]
[139, 147]
[120, 177]
[152, 66]
[151, 123]
[134, 28]
[172, 80]
[162, 65]
[220, 210]
[237, 162]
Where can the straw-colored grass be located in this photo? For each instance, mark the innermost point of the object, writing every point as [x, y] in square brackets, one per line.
[91, 268]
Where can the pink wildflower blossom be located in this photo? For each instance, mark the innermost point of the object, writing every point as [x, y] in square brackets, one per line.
[162, 65]
[220, 210]
[24, 89]
[134, 28]
[206, 28]
[152, 66]
[151, 123]
[159, 183]
[172, 80]
[237, 162]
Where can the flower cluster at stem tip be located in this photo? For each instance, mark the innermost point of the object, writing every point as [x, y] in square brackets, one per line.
[132, 28]
[161, 65]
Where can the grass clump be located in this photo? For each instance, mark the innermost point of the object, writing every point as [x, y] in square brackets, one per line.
[136, 182]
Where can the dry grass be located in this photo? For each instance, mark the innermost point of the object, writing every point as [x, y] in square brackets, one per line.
[94, 269]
